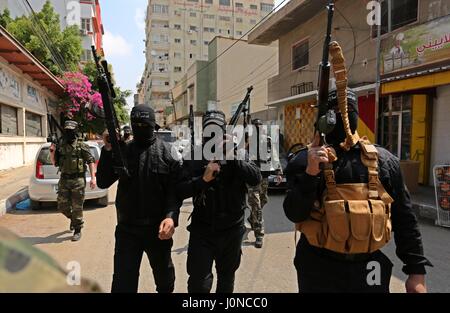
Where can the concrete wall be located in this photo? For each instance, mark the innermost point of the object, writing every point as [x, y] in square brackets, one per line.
[362, 70]
[440, 144]
[242, 66]
[314, 31]
[18, 150]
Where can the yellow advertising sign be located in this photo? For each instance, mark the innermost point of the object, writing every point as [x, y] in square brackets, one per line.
[420, 45]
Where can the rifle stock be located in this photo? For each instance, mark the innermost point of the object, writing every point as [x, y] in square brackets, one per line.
[106, 89]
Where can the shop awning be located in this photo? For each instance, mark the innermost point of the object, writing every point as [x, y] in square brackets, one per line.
[13, 52]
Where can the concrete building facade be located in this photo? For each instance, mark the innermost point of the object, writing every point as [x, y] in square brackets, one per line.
[222, 84]
[26, 89]
[84, 13]
[178, 33]
[415, 75]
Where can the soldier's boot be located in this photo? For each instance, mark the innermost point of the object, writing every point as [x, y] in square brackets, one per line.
[77, 235]
[259, 242]
[71, 226]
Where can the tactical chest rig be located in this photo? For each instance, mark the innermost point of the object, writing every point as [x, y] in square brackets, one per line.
[70, 159]
[353, 218]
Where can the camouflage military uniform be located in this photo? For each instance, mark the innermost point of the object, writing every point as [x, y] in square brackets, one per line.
[24, 268]
[72, 160]
[257, 199]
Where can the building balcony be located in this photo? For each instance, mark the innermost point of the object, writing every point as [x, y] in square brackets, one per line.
[160, 88]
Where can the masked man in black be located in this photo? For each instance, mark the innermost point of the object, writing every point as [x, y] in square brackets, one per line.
[147, 206]
[346, 212]
[217, 227]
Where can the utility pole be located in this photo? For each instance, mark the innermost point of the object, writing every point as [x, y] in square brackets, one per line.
[378, 78]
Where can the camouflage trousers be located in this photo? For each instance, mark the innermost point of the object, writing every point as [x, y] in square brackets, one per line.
[257, 199]
[71, 198]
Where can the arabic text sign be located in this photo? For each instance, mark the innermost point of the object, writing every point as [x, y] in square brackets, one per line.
[420, 45]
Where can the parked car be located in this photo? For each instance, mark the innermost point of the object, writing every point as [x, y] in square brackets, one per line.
[43, 185]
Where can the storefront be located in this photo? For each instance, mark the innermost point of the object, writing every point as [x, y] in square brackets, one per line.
[26, 89]
[415, 94]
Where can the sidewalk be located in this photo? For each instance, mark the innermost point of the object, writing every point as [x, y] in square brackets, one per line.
[424, 203]
[14, 187]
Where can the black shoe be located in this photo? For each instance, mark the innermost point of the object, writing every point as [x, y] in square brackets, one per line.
[71, 226]
[76, 235]
[259, 243]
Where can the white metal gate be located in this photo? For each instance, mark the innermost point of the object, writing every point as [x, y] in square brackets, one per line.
[442, 190]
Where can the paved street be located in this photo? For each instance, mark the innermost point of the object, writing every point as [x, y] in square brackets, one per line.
[267, 270]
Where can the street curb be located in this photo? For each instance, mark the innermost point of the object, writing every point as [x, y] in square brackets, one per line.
[9, 203]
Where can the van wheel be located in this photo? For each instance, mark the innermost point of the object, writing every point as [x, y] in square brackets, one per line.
[104, 201]
[35, 205]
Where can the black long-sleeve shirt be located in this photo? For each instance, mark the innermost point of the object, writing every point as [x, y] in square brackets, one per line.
[218, 205]
[304, 190]
[149, 194]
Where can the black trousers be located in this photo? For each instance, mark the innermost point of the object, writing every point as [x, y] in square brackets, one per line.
[224, 249]
[318, 273]
[131, 243]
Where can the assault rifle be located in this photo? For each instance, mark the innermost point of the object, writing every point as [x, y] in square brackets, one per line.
[106, 89]
[326, 119]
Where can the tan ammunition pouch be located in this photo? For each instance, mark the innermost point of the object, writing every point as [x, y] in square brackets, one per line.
[353, 218]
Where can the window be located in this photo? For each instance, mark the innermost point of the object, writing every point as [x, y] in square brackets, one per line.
[160, 38]
[206, 42]
[177, 26]
[239, 33]
[209, 16]
[177, 55]
[192, 0]
[239, 5]
[166, 83]
[208, 29]
[209, 1]
[177, 40]
[160, 9]
[193, 28]
[253, 7]
[396, 14]
[193, 14]
[33, 125]
[300, 55]
[224, 18]
[86, 56]
[253, 22]
[86, 24]
[193, 42]
[177, 69]
[192, 55]
[224, 2]
[266, 7]
[8, 120]
[239, 20]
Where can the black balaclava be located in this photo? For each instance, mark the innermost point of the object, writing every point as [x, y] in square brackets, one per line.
[143, 124]
[337, 136]
[70, 131]
[213, 117]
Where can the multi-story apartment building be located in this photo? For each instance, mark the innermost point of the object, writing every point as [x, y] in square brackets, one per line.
[411, 118]
[84, 13]
[178, 33]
